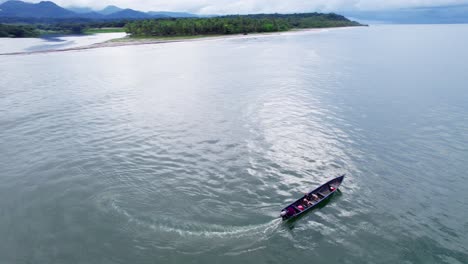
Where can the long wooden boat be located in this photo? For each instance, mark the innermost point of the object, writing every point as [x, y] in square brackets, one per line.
[312, 199]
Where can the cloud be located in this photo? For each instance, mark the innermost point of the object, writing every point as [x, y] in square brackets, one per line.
[258, 6]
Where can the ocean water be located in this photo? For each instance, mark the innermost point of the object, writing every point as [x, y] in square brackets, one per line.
[186, 152]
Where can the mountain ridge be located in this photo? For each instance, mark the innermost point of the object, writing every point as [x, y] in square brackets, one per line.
[50, 10]
[39, 10]
[110, 9]
[14, 10]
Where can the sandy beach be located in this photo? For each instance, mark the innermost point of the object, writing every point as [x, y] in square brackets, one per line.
[129, 41]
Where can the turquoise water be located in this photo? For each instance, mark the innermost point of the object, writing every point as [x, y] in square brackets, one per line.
[186, 152]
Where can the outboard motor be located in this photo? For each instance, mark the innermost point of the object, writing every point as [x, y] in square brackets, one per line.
[283, 214]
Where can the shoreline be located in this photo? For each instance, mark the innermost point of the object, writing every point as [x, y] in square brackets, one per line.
[128, 41]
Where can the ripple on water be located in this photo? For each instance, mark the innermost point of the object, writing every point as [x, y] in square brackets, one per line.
[191, 157]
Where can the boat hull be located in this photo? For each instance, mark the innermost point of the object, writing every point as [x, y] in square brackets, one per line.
[312, 199]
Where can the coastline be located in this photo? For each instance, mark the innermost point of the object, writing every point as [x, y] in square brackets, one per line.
[128, 41]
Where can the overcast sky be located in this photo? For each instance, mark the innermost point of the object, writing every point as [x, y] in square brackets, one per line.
[257, 6]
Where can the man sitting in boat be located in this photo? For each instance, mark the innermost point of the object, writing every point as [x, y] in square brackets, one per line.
[314, 197]
[306, 202]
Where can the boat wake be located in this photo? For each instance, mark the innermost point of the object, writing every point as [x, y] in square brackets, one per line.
[260, 231]
[173, 227]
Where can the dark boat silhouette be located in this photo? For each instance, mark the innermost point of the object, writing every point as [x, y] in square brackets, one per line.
[312, 199]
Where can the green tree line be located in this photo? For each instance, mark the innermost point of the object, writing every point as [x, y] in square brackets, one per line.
[18, 31]
[72, 27]
[63, 27]
[241, 24]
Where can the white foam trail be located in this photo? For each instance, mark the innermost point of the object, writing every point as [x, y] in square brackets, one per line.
[259, 231]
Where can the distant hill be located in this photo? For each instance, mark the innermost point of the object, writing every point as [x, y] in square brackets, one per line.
[92, 15]
[110, 10]
[129, 13]
[426, 15]
[80, 10]
[29, 10]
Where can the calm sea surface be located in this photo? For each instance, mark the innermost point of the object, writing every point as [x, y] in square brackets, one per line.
[186, 152]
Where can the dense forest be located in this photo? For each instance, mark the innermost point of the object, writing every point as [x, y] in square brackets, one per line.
[18, 31]
[70, 26]
[240, 24]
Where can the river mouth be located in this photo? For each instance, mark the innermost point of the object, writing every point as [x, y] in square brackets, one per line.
[54, 42]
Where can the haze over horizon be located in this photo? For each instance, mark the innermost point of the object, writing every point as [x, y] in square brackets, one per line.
[258, 6]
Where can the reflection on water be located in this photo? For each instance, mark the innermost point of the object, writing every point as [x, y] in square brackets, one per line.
[186, 152]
